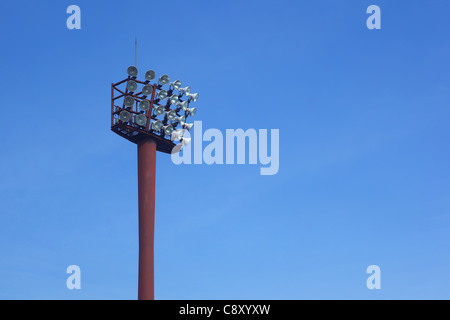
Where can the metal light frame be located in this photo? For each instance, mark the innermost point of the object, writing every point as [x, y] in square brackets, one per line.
[131, 131]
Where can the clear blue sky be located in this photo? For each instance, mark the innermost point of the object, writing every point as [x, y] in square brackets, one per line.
[364, 150]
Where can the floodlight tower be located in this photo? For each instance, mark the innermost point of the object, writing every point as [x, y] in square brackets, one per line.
[153, 118]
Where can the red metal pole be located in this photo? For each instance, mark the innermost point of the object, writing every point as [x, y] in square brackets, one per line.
[146, 189]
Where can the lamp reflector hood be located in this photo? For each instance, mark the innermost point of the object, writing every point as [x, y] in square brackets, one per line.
[144, 105]
[176, 84]
[173, 99]
[162, 94]
[164, 79]
[140, 120]
[168, 129]
[160, 110]
[132, 86]
[124, 116]
[193, 96]
[177, 135]
[191, 111]
[147, 90]
[183, 105]
[185, 90]
[181, 120]
[128, 101]
[150, 75]
[186, 141]
[132, 71]
[171, 115]
[156, 125]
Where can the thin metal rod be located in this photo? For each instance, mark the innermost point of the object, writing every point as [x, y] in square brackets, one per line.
[149, 111]
[112, 104]
[135, 50]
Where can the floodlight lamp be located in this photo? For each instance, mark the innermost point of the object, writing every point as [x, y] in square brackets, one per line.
[132, 86]
[162, 94]
[185, 141]
[144, 105]
[185, 90]
[193, 96]
[124, 116]
[132, 71]
[183, 105]
[150, 75]
[128, 101]
[160, 110]
[176, 84]
[173, 99]
[191, 111]
[177, 135]
[140, 120]
[188, 126]
[168, 129]
[171, 115]
[181, 120]
[147, 90]
[164, 79]
[156, 125]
